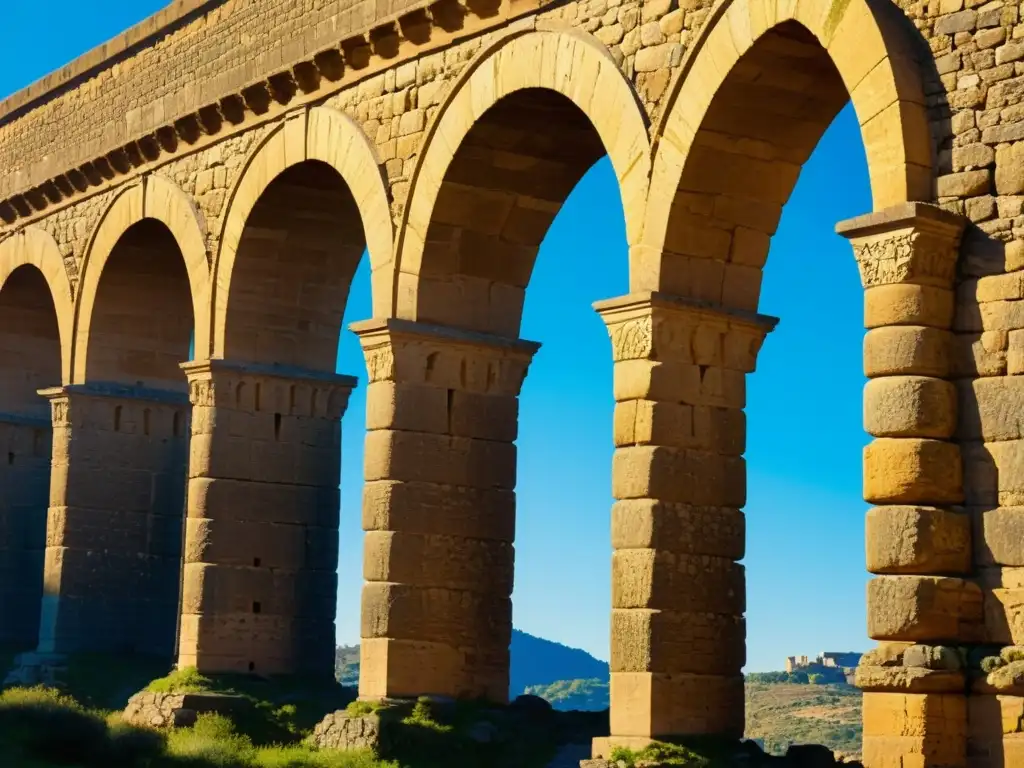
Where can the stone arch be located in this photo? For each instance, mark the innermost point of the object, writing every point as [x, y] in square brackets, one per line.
[854, 50]
[35, 322]
[35, 247]
[157, 204]
[321, 136]
[574, 68]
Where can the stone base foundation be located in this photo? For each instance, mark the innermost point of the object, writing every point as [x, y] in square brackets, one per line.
[178, 710]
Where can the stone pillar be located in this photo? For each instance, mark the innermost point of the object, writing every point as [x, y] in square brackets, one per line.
[918, 538]
[439, 509]
[113, 536]
[24, 493]
[261, 538]
[679, 480]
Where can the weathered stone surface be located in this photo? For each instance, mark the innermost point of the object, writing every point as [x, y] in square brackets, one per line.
[347, 733]
[901, 727]
[908, 680]
[910, 406]
[905, 350]
[923, 608]
[912, 471]
[179, 710]
[921, 540]
[999, 536]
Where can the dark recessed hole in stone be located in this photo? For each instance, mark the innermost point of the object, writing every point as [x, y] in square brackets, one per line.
[306, 76]
[330, 63]
[256, 562]
[357, 52]
[210, 119]
[485, 9]
[10, 458]
[282, 87]
[416, 26]
[256, 607]
[252, 666]
[233, 109]
[257, 98]
[449, 15]
[117, 418]
[134, 154]
[277, 426]
[385, 41]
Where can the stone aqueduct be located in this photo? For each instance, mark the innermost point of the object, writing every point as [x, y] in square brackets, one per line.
[222, 167]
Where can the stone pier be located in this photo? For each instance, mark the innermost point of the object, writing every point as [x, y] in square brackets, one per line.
[113, 536]
[918, 539]
[679, 480]
[261, 536]
[24, 491]
[439, 509]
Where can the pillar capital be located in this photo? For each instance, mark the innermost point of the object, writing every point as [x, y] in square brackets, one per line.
[62, 399]
[659, 326]
[409, 352]
[259, 387]
[911, 243]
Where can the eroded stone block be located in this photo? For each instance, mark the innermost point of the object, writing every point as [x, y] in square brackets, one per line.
[912, 471]
[923, 608]
[918, 540]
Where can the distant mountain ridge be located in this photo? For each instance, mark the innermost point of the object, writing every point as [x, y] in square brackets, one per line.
[535, 663]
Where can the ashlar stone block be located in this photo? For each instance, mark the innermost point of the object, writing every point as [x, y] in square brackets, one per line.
[915, 729]
[910, 406]
[918, 540]
[924, 609]
[912, 471]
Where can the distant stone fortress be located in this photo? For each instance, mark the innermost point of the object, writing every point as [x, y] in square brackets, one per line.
[824, 660]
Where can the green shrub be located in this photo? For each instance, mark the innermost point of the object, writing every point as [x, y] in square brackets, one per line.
[213, 741]
[304, 757]
[186, 680]
[44, 723]
[990, 664]
[661, 753]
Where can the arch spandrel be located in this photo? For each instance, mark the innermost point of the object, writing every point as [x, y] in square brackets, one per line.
[570, 63]
[872, 52]
[159, 199]
[331, 137]
[36, 247]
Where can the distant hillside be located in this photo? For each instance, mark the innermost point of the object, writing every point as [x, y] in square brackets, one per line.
[580, 695]
[538, 662]
[780, 714]
[535, 662]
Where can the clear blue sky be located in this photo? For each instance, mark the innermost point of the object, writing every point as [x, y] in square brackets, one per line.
[805, 551]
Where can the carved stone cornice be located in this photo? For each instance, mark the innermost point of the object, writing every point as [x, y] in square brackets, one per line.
[658, 326]
[435, 355]
[257, 388]
[61, 398]
[911, 243]
[164, 132]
